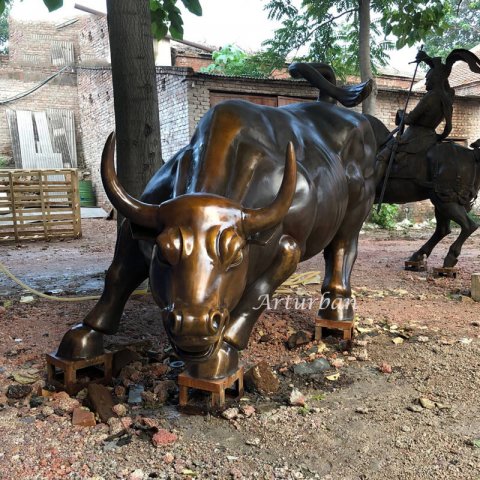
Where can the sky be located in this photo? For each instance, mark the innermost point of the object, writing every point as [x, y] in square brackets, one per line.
[241, 22]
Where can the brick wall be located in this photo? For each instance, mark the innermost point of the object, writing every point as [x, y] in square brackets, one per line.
[94, 47]
[172, 87]
[59, 93]
[95, 95]
[31, 42]
[29, 63]
[200, 86]
[196, 62]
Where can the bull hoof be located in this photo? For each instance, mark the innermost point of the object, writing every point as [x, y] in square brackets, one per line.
[81, 342]
[338, 309]
[221, 365]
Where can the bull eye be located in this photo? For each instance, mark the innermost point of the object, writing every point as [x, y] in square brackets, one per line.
[237, 259]
[170, 245]
[230, 246]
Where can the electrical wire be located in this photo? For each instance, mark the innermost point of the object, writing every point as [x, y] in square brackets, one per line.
[36, 87]
[9, 274]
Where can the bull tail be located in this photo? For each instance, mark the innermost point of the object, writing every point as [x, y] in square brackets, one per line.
[322, 76]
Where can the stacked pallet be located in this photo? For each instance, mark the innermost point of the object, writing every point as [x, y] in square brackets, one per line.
[39, 205]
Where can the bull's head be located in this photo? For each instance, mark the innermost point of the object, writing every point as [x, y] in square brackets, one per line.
[199, 263]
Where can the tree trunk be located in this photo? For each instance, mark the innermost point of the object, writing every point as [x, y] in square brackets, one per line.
[137, 121]
[368, 105]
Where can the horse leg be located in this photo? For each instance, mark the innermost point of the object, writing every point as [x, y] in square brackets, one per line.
[458, 214]
[126, 272]
[441, 231]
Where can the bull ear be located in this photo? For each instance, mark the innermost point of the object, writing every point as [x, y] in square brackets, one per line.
[256, 220]
[143, 233]
[263, 238]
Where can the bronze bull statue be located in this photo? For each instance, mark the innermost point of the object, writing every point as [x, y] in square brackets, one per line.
[228, 219]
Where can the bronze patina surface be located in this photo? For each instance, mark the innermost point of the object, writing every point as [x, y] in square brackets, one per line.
[227, 220]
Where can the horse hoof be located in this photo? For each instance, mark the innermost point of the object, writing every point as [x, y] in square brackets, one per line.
[417, 257]
[81, 342]
[450, 261]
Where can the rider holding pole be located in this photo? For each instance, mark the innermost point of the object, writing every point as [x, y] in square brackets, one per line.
[434, 108]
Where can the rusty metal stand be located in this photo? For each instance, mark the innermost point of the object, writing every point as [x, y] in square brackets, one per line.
[216, 387]
[416, 266]
[450, 272]
[346, 327]
[71, 367]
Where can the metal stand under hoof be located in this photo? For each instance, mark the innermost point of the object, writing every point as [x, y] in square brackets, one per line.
[416, 266]
[346, 327]
[71, 367]
[450, 272]
[216, 387]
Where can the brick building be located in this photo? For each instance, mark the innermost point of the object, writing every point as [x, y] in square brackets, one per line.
[185, 94]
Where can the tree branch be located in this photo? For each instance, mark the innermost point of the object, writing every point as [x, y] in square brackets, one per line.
[331, 20]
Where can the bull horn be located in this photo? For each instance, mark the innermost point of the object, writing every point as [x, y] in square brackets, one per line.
[140, 213]
[256, 220]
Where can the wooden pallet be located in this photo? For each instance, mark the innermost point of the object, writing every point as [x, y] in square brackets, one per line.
[39, 204]
[215, 387]
[346, 327]
[450, 272]
[58, 367]
[416, 266]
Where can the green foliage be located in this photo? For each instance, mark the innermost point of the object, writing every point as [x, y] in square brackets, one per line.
[462, 29]
[166, 16]
[232, 60]
[4, 29]
[411, 21]
[387, 216]
[304, 411]
[50, 4]
[330, 29]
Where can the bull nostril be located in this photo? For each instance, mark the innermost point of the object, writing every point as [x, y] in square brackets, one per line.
[174, 322]
[215, 321]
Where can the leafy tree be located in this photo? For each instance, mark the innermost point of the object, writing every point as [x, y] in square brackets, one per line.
[341, 32]
[232, 60]
[165, 15]
[462, 31]
[4, 29]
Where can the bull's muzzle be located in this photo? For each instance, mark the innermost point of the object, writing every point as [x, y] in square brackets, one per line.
[195, 334]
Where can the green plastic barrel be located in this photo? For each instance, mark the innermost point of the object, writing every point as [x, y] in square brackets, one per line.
[87, 197]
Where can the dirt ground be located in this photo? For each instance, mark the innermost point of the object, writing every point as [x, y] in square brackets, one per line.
[417, 338]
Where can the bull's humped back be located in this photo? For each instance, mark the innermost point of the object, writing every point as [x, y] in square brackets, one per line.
[237, 142]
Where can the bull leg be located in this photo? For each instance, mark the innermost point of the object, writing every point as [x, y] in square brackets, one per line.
[458, 214]
[126, 272]
[340, 256]
[441, 231]
[251, 305]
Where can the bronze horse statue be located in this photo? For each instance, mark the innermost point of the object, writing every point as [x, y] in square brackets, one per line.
[426, 166]
[228, 219]
[449, 176]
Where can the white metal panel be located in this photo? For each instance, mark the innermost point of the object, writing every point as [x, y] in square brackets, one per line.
[44, 142]
[27, 139]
